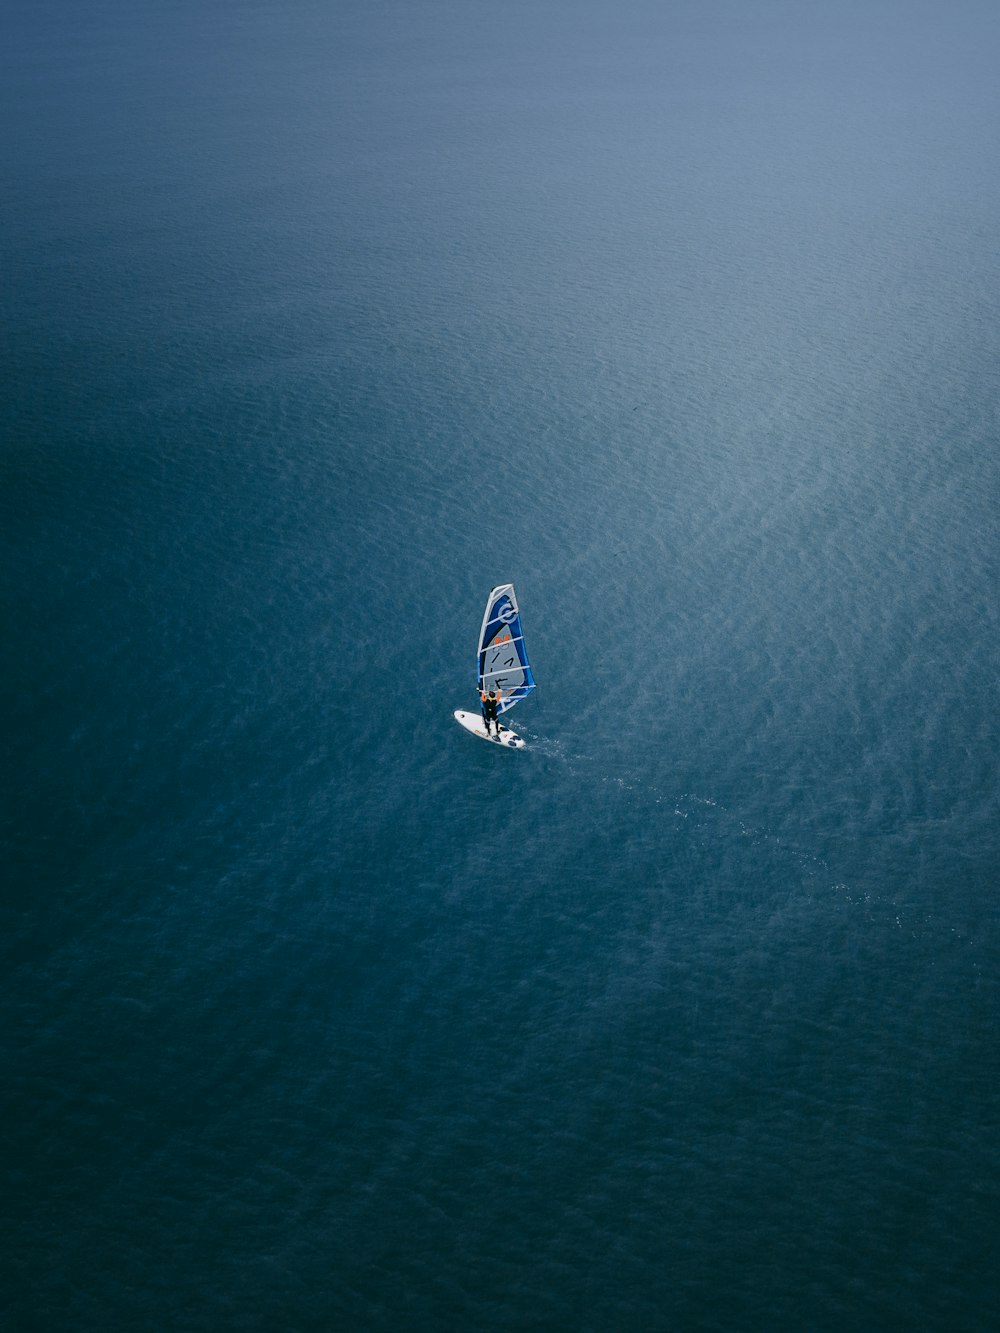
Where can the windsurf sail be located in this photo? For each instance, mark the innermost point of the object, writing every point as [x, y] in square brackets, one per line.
[503, 659]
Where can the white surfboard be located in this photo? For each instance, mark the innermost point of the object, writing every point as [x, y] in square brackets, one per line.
[474, 722]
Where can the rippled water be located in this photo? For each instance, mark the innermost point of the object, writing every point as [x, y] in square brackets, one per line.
[320, 321]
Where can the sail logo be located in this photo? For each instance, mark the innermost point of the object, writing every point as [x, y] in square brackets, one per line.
[507, 614]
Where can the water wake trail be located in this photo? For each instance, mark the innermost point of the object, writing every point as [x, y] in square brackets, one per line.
[708, 816]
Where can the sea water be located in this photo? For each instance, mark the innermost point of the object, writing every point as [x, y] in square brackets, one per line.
[321, 319]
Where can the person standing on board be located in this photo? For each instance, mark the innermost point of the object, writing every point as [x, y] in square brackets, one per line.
[490, 702]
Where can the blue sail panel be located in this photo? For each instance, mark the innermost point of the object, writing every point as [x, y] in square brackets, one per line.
[503, 659]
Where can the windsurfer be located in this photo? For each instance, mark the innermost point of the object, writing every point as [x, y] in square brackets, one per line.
[490, 702]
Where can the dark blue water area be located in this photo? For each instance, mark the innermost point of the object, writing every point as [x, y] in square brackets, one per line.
[320, 320]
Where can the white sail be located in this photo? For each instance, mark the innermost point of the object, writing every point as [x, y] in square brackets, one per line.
[502, 659]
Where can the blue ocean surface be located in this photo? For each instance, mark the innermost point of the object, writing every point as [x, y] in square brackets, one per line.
[319, 320]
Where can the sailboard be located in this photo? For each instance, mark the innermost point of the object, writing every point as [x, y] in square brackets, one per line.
[501, 664]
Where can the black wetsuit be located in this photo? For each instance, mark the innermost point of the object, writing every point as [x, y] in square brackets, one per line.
[490, 714]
